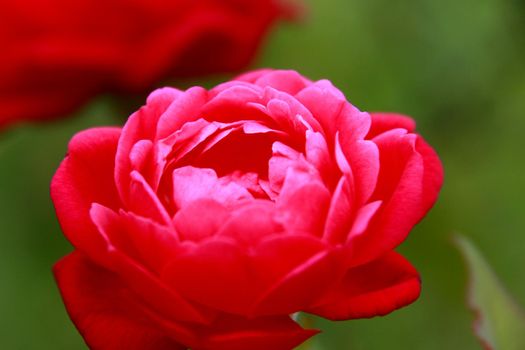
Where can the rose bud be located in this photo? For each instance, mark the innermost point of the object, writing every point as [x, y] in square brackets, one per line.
[212, 216]
[57, 54]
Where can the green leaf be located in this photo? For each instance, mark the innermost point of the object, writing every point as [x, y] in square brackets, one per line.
[500, 322]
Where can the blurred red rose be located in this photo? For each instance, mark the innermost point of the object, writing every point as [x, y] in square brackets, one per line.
[214, 215]
[56, 54]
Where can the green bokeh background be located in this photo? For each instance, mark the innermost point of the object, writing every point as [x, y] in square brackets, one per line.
[456, 66]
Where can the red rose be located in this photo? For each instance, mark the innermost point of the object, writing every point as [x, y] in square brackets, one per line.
[56, 54]
[214, 215]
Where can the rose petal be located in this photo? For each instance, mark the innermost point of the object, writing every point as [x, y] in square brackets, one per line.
[145, 201]
[330, 108]
[200, 219]
[142, 239]
[318, 154]
[147, 286]
[302, 286]
[339, 217]
[292, 271]
[288, 81]
[216, 265]
[303, 203]
[374, 289]
[185, 108]
[251, 223]
[264, 333]
[105, 312]
[408, 184]
[91, 156]
[190, 184]
[363, 158]
[382, 122]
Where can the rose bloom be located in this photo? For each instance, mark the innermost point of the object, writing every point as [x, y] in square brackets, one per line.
[212, 216]
[57, 54]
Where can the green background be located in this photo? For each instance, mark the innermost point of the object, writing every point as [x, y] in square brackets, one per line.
[456, 66]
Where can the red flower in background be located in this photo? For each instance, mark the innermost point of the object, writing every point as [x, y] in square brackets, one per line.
[57, 54]
[214, 215]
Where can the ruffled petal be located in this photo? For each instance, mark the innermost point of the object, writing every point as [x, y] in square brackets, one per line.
[190, 184]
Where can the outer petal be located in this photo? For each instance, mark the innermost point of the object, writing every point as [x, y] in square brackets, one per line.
[263, 280]
[275, 333]
[91, 156]
[142, 239]
[374, 289]
[293, 271]
[104, 311]
[215, 273]
[130, 263]
[408, 184]
[382, 122]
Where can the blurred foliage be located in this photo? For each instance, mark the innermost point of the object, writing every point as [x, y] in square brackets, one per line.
[456, 66]
[499, 320]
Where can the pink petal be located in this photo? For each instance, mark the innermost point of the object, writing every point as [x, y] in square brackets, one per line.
[283, 157]
[144, 201]
[141, 155]
[303, 203]
[239, 152]
[339, 217]
[190, 184]
[363, 158]
[289, 113]
[185, 108]
[200, 219]
[288, 81]
[330, 108]
[251, 223]
[141, 125]
[362, 219]
[233, 103]
[318, 154]
[374, 289]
